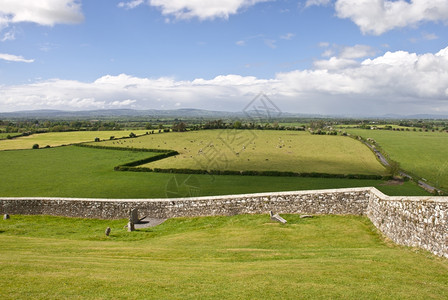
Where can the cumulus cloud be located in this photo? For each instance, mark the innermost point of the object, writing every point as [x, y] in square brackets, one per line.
[15, 58]
[398, 81]
[42, 12]
[203, 10]
[378, 16]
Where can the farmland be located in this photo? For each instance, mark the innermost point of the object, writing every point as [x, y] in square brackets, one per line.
[83, 172]
[421, 153]
[244, 256]
[54, 139]
[259, 150]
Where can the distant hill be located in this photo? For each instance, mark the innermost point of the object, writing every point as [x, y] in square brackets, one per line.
[185, 113]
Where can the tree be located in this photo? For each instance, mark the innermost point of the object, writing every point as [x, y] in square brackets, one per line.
[36, 146]
[179, 127]
[394, 168]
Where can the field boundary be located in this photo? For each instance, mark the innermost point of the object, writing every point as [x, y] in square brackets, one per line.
[133, 167]
[410, 221]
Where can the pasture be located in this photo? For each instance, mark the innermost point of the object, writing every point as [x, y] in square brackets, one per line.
[4, 136]
[84, 172]
[269, 150]
[424, 154]
[239, 257]
[54, 139]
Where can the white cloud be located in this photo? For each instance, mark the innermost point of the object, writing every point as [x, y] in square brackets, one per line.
[430, 36]
[357, 51]
[241, 43]
[203, 10]
[131, 4]
[287, 36]
[9, 36]
[378, 16]
[335, 63]
[348, 52]
[394, 82]
[42, 12]
[270, 43]
[317, 3]
[15, 58]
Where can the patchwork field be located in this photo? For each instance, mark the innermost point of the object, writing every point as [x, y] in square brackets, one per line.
[61, 138]
[424, 154]
[84, 172]
[239, 257]
[240, 150]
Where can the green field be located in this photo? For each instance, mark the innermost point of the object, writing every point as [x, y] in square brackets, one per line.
[61, 138]
[424, 154]
[269, 150]
[84, 172]
[239, 257]
[4, 136]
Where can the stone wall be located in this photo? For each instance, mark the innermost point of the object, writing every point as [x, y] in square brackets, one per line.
[341, 202]
[412, 221]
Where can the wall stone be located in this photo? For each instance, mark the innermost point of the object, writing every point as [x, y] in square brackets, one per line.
[412, 221]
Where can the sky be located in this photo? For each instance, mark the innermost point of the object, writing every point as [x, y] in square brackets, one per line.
[338, 57]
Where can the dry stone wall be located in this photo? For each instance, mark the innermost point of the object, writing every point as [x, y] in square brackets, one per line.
[411, 221]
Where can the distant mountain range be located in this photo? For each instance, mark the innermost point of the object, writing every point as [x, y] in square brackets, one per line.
[185, 113]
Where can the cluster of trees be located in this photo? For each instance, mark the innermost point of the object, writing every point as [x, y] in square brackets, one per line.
[38, 126]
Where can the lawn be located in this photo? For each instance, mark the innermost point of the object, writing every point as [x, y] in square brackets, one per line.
[84, 172]
[421, 153]
[239, 257]
[61, 138]
[269, 150]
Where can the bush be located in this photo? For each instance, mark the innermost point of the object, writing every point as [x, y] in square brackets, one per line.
[36, 146]
[132, 135]
[97, 139]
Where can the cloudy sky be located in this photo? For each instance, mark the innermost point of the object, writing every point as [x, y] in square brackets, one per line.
[365, 57]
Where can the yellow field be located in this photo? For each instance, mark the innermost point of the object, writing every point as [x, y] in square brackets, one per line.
[61, 138]
[240, 150]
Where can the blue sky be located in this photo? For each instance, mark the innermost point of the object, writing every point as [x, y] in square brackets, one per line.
[358, 57]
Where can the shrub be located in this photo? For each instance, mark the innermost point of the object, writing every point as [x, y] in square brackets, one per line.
[132, 135]
[36, 146]
[97, 139]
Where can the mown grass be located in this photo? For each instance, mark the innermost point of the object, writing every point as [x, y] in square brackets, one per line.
[269, 150]
[54, 139]
[421, 153]
[239, 257]
[84, 172]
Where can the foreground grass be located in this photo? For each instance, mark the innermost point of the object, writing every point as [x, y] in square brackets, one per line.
[259, 150]
[421, 153]
[82, 172]
[240, 257]
[54, 139]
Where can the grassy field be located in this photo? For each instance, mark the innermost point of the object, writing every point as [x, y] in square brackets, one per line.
[83, 172]
[422, 153]
[61, 138]
[4, 136]
[239, 257]
[240, 150]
